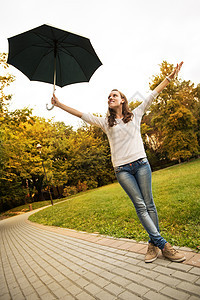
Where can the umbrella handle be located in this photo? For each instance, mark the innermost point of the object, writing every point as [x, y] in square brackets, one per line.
[54, 83]
[50, 107]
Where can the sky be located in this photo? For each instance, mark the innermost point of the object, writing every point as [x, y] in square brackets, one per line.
[130, 37]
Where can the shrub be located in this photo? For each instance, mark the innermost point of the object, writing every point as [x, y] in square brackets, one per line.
[92, 184]
[13, 198]
[82, 186]
[69, 190]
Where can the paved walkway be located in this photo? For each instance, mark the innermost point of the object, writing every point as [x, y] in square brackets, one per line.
[40, 262]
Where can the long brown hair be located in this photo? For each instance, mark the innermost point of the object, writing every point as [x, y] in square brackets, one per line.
[127, 113]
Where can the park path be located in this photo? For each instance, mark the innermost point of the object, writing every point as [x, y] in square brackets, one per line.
[41, 262]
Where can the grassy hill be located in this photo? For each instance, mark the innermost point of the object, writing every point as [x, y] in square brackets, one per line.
[109, 211]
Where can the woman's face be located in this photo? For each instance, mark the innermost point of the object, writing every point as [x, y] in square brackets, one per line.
[114, 99]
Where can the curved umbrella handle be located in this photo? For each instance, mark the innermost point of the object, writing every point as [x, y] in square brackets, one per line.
[50, 107]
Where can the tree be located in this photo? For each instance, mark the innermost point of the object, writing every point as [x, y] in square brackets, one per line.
[70, 157]
[171, 119]
[196, 111]
[5, 80]
[180, 141]
[89, 158]
[81, 158]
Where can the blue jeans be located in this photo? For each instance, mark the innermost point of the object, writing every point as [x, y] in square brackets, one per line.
[135, 179]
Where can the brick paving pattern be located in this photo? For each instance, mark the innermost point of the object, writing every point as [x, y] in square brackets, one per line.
[41, 262]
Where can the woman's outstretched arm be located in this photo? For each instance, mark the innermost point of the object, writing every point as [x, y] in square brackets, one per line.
[143, 107]
[166, 81]
[70, 110]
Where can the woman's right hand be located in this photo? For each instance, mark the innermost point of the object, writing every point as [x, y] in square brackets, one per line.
[175, 72]
[70, 110]
[54, 100]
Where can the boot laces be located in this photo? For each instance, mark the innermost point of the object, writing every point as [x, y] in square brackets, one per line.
[150, 249]
[172, 250]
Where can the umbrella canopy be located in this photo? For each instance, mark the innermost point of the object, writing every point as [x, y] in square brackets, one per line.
[52, 55]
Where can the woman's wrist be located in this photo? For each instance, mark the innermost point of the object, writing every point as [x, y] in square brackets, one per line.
[175, 72]
[169, 79]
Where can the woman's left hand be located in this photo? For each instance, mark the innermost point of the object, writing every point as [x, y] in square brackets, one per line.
[175, 72]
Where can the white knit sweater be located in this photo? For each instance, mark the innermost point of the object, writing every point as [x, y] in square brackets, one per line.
[125, 139]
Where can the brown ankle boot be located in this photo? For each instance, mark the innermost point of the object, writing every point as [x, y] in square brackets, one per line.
[152, 253]
[172, 254]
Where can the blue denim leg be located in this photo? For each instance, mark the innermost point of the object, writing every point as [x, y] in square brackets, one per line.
[135, 179]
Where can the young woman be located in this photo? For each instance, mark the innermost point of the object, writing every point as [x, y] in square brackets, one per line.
[129, 160]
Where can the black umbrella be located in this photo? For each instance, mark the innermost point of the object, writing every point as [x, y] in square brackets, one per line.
[53, 55]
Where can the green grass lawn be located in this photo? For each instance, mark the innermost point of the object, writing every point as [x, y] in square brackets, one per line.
[109, 211]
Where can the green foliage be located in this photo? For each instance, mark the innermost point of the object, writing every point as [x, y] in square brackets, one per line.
[69, 157]
[70, 190]
[172, 119]
[5, 80]
[196, 110]
[14, 197]
[81, 158]
[89, 158]
[74, 158]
